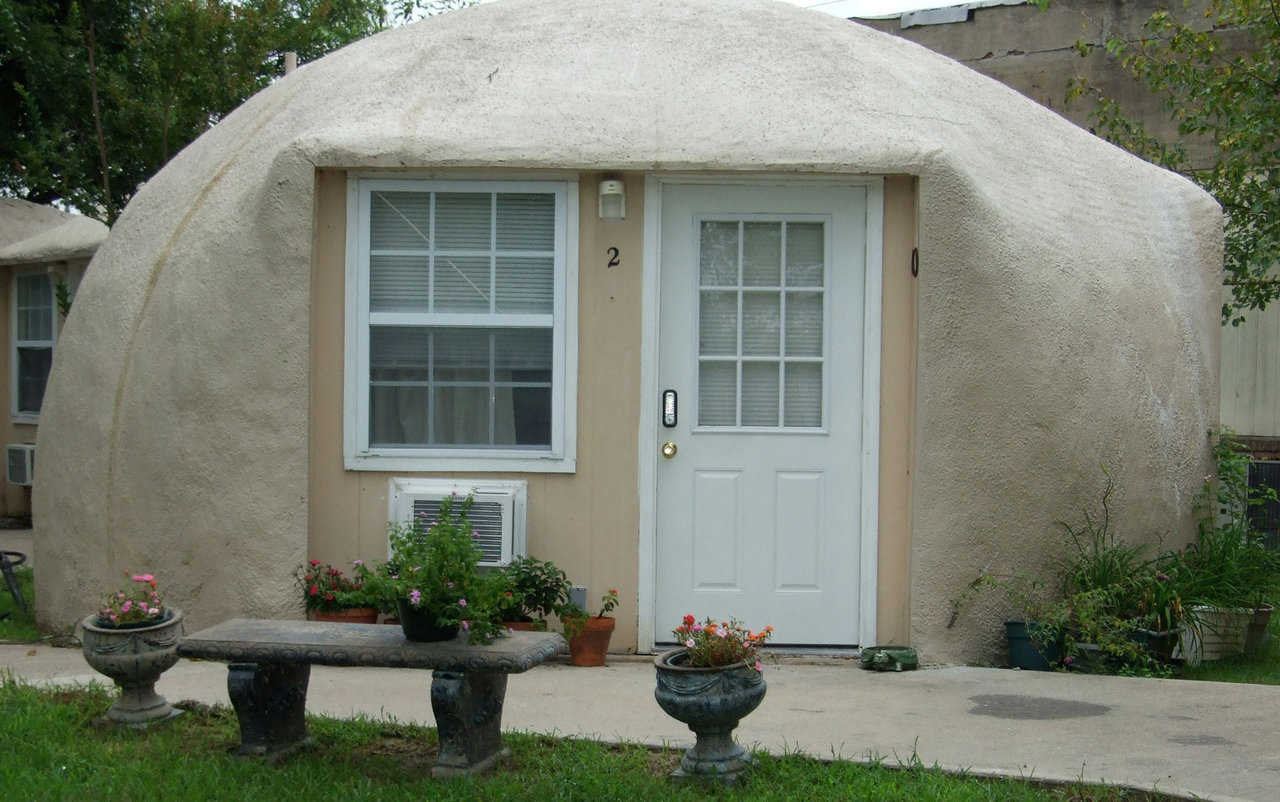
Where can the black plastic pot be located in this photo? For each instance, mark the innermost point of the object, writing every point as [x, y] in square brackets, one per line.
[1023, 652]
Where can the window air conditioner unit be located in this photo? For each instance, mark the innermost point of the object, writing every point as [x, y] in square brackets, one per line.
[20, 463]
[497, 516]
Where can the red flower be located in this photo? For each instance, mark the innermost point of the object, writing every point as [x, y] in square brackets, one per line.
[313, 590]
[315, 562]
[689, 620]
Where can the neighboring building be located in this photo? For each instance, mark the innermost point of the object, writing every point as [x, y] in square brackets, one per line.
[39, 247]
[406, 264]
[1034, 52]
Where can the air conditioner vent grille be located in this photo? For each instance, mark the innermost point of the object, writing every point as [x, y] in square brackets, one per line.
[486, 524]
[20, 463]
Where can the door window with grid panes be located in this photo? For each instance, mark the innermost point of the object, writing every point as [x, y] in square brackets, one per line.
[462, 304]
[761, 322]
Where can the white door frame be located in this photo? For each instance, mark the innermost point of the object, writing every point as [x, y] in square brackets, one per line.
[649, 389]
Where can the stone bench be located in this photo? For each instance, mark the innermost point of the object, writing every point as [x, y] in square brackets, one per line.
[270, 664]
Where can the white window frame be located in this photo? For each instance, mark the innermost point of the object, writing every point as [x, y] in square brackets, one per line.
[25, 416]
[358, 454]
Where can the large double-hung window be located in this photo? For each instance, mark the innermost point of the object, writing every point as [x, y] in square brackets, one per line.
[460, 341]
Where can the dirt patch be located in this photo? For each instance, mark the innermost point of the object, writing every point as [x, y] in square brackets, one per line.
[662, 763]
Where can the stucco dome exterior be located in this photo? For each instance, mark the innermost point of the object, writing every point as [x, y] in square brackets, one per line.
[1067, 296]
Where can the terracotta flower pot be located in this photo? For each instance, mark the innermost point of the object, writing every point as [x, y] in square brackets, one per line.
[134, 656]
[588, 647]
[349, 615]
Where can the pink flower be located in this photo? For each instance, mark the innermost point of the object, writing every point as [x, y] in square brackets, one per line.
[449, 585]
[143, 605]
[697, 627]
[415, 597]
[689, 643]
[357, 563]
[114, 618]
[466, 625]
[128, 605]
[758, 666]
[721, 632]
[315, 562]
[119, 595]
[462, 602]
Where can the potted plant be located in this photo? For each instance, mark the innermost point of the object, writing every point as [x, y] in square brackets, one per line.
[133, 639]
[1231, 579]
[1114, 608]
[331, 596]
[589, 635]
[529, 590]
[433, 580]
[710, 683]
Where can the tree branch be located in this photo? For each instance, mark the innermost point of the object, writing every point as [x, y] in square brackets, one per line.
[97, 124]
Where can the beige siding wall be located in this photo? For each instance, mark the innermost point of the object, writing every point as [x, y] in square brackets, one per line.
[588, 522]
[14, 499]
[1251, 374]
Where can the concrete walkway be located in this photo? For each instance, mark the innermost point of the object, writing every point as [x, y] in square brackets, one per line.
[1217, 741]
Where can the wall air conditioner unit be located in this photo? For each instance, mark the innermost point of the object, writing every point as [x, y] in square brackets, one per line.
[497, 516]
[20, 463]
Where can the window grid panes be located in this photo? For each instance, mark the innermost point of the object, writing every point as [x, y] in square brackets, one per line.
[462, 301]
[761, 323]
[33, 340]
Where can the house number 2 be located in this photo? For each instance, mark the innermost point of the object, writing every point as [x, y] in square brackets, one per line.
[614, 259]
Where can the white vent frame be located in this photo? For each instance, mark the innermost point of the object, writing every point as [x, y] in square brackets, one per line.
[29, 463]
[512, 494]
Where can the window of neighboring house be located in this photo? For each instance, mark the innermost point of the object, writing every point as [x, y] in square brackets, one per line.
[462, 353]
[34, 332]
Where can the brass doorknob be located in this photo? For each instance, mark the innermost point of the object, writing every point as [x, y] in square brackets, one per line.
[669, 449]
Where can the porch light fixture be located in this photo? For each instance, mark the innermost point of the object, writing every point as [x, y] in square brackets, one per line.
[613, 200]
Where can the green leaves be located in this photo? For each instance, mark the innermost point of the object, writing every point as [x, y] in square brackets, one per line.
[1232, 98]
[97, 95]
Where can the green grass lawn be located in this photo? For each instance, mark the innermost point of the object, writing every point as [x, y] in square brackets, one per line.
[19, 626]
[55, 749]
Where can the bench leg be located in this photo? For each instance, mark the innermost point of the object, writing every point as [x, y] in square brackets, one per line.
[270, 700]
[468, 709]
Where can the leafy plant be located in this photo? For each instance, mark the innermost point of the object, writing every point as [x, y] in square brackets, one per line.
[433, 566]
[531, 589]
[723, 643]
[574, 617]
[137, 603]
[327, 588]
[1228, 565]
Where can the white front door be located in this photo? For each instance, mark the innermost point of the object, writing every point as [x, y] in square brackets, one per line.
[758, 513]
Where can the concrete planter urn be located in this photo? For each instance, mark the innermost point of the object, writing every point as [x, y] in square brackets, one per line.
[134, 657]
[711, 701]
